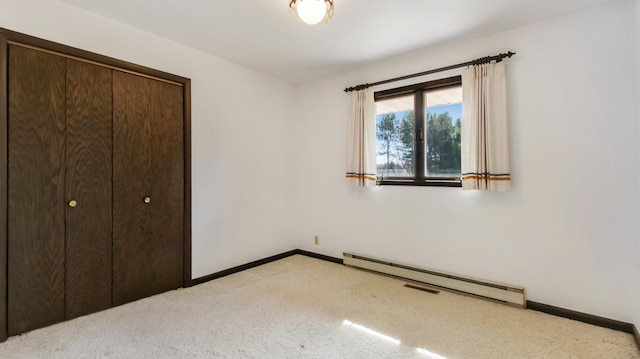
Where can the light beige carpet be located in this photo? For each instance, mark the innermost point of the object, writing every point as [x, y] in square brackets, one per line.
[300, 307]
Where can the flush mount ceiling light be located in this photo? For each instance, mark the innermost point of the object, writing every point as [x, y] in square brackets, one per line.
[312, 11]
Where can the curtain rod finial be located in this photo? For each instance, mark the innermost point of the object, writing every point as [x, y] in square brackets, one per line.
[357, 88]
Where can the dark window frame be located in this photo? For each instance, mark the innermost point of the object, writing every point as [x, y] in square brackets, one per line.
[418, 91]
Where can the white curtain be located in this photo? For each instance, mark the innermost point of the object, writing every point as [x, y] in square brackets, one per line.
[484, 136]
[361, 141]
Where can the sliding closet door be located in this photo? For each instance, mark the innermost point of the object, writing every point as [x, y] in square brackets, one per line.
[36, 180]
[148, 189]
[88, 188]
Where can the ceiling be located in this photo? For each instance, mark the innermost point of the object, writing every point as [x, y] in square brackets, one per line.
[262, 35]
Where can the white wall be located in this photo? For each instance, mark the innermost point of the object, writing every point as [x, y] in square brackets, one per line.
[566, 232]
[239, 131]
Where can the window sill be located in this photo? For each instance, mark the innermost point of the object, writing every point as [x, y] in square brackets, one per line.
[440, 182]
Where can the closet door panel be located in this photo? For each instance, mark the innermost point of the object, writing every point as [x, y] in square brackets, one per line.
[88, 184]
[36, 267]
[167, 191]
[148, 235]
[131, 163]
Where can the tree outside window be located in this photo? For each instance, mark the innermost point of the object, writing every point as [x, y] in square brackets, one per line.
[418, 134]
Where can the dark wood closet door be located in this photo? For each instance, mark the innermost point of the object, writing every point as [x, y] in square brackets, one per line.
[167, 190]
[148, 191]
[36, 190]
[88, 185]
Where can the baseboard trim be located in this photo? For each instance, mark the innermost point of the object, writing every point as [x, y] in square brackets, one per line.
[582, 317]
[260, 262]
[636, 335]
[242, 267]
[319, 256]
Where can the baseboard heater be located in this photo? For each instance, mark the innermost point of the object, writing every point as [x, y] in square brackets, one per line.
[506, 293]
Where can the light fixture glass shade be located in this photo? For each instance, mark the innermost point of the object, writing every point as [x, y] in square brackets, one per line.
[312, 11]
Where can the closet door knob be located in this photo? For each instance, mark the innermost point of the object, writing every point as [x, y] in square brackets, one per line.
[73, 203]
[147, 200]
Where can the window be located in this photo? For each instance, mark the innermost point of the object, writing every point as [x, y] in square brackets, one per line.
[418, 134]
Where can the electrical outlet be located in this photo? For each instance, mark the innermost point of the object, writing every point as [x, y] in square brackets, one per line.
[316, 240]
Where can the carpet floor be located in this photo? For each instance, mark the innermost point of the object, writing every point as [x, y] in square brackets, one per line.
[300, 307]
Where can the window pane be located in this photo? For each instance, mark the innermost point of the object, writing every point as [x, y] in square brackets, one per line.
[395, 136]
[443, 121]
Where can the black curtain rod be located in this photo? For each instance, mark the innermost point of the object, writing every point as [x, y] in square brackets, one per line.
[482, 60]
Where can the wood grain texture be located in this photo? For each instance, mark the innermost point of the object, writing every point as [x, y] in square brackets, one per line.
[36, 189]
[55, 276]
[131, 181]
[167, 187]
[20, 38]
[3, 187]
[148, 161]
[88, 182]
